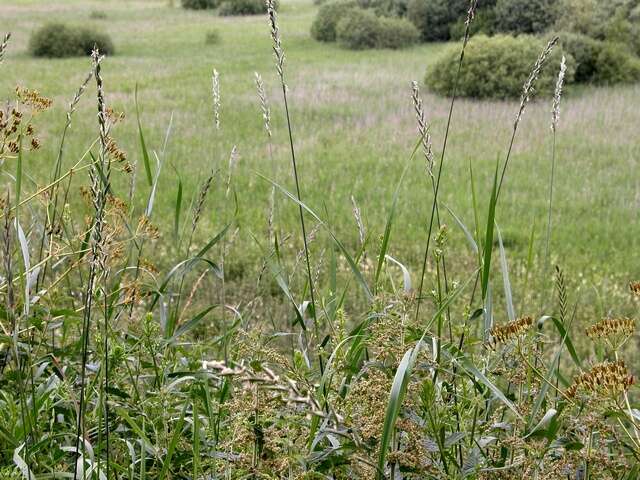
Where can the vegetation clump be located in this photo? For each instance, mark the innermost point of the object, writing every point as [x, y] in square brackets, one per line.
[241, 7]
[59, 40]
[329, 15]
[494, 67]
[433, 18]
[200, 4]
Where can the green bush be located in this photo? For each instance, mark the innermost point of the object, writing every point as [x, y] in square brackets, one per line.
[585, 51]
[324, 25]
[358, 29]
[212, 37]
[242, 7]
[598, 61]
[59, 40]
[484, 22]
[386, 8]
[200, 4]
[614, 20]
[525, 16]
[495, 67]
[616, 64]
[433, 18]
[396, 33]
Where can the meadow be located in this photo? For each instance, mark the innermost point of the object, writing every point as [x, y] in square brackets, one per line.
[163, 317]
[354, 125]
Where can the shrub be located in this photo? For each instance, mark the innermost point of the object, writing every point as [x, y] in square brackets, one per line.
[324, 25]
[242, 7]
[396, 33]
[98, 15]
[59, 40]
[358, 29]
[386, 8]
[525, 16]
[200, 4]
[434, 18]
[212, 37]
[484, 22]
[598, 61]
[585, 51]
[616, 64]
[495, 67]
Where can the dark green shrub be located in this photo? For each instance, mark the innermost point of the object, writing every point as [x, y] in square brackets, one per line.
[600, 62]
[615, 20]
[358, 29]
[396, 33]
[59, 40]
[495, 67]
[212, 37]
[616, 64]
[585, 51]
[386, 8]
[484, 22]
[242, 7]
[525, 16]
[324, 25]
[200, 4]
[98, 15]
[434, 18]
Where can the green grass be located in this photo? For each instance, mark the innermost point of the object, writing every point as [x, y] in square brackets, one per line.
[354, 128]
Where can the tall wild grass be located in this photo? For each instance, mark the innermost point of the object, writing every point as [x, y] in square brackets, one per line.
[346, 364]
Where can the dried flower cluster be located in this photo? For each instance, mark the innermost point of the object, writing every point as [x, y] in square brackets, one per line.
[614, 329]
[607, 379]
[513, 329]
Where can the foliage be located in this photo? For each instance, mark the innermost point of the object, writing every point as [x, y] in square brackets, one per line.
[324, 25]
[484, 22]
[200, 4]
[122, 357]
[433, 18]
[358, 29]
[396, 33]
[600, 62]
[60, 40]
[525, 16]
[615, 20]
[242, 7]
[616, 64]
[386, 8]
[212, 37]
[495, 67]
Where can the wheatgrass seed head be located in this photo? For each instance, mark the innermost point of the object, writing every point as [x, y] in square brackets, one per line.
[3, 45]
[215, 80]
[557, 95]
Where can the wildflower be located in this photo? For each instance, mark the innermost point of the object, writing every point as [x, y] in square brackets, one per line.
[607, 379]
[515, 328]
[33, 99]
[614, 330]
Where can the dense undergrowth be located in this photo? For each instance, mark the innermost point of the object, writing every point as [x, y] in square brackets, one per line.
[111, 368]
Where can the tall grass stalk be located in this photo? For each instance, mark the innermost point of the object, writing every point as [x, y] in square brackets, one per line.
[99, 173]
[555, 117]
[473, 4]
[280, 57]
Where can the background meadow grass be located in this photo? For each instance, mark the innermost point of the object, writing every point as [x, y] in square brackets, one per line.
[354, 128]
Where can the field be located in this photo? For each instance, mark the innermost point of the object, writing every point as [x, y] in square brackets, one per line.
[354, 126]
[199, 351]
